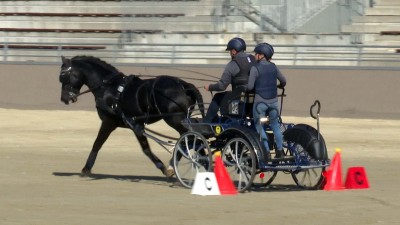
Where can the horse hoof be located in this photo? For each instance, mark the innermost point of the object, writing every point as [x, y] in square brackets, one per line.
[85, 172]
[169, 173]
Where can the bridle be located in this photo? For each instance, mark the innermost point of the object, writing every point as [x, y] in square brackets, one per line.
[65, 78]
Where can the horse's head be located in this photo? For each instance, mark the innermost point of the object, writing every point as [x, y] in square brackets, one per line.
[71, 80]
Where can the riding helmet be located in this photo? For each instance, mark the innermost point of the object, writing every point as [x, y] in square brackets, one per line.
[236, 43]
[266, 49]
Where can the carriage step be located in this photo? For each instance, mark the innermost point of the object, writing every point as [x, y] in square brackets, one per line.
[284, 159]
[290, 167]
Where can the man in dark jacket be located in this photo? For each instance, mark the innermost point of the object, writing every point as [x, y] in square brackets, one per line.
[236, 73]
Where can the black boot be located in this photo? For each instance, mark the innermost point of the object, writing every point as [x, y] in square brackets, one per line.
[279, 154]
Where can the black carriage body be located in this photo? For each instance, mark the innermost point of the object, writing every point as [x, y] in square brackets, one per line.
[309, 138]
[236, 121]
[248, 163]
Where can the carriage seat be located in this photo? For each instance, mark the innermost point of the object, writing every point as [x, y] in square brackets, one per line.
[238, 105]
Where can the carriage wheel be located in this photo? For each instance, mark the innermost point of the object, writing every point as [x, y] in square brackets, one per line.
[306, 178]
[264, 178]
[240, 162]
[191, 155]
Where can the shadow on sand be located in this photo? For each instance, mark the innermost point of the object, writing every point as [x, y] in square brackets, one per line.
[172, 182]
[278, 188]
[155, 180]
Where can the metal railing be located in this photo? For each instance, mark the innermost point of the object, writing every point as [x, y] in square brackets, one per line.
[196, 54]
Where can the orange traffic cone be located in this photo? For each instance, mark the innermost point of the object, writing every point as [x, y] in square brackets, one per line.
[333, 175]
[225, 184]
[356, 178]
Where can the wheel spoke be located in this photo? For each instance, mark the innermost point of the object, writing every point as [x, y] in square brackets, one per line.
[188, 148]
[241, 167]
[184, 153]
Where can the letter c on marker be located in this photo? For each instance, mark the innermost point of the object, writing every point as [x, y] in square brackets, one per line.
[207, 183]
[358, 177]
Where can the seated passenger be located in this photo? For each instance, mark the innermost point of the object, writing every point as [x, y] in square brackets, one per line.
[263, 79]
[236, 73]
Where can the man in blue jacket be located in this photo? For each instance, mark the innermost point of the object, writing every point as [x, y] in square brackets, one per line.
[263, 79]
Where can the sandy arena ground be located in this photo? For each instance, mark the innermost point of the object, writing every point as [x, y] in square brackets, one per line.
[42, 152]
[44, 144]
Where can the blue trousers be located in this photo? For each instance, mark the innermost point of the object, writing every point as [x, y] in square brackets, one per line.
[259, 111]
[212, 112]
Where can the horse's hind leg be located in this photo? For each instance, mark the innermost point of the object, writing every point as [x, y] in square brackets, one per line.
[147, 151]
[102, 136]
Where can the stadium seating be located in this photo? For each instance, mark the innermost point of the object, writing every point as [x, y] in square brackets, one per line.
[380, 24]
[191, 30]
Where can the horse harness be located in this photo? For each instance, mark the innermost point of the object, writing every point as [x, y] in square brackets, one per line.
[149, 100]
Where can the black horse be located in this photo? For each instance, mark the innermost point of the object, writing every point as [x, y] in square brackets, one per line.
[140, 102]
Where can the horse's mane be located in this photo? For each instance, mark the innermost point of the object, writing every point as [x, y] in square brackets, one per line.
[97, 62]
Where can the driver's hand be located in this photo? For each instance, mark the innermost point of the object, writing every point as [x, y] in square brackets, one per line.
[206, 87]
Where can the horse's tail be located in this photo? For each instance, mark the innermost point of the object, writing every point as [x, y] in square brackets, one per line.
[194, 92]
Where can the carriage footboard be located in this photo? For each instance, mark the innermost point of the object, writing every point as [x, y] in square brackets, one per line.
[206, 129]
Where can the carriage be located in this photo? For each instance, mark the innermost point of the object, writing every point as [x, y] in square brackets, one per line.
[234, 138]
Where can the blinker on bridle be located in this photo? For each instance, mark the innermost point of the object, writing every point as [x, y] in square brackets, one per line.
[66, 79]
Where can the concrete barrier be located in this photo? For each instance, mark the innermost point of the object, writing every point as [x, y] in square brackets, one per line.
[344, 93]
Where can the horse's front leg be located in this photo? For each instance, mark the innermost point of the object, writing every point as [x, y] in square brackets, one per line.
[104, 132]
[174, 122]
[147, 151]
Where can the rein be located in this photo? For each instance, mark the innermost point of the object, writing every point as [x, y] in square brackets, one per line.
[72, 95]
[82, 93]
[182, 77]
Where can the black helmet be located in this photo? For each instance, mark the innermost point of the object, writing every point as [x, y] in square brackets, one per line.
[236, 43]
[266, 49]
